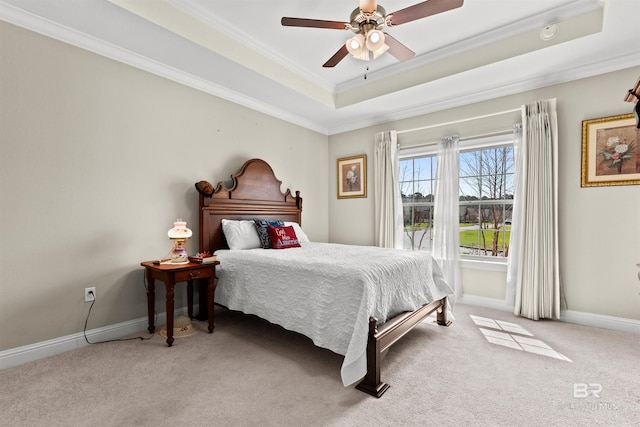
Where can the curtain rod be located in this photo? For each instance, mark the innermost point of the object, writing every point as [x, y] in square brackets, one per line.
[459, 121]
[465, 138]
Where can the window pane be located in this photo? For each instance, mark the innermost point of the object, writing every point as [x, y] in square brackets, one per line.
[423, 191]
[406, 180]
[406, 170]
[469, 163]
[416, 186]
[469, 188]
[496, 164]
[423, 168]
[406, 190]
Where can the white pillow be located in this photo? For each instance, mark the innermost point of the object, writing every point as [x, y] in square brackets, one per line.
[302, 237]
[240, 234]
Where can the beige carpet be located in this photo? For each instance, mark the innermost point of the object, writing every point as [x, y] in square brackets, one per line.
[250, 372]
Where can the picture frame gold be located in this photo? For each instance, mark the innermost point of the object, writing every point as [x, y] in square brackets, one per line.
[352, 177]
[610, 151]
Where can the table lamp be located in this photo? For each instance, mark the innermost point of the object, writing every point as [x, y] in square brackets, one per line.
[179, 234]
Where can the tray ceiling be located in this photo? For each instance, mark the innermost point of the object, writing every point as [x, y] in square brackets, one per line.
[239, 51]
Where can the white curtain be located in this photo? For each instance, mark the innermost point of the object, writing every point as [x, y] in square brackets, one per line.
[387, 198]
[514, 240]
[446, 217]
[535, 265]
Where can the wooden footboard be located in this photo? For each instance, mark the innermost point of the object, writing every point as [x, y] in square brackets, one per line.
[383, 337]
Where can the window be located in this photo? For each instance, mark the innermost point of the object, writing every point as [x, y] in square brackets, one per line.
[486, 182]
[417, 187]
[486, 201]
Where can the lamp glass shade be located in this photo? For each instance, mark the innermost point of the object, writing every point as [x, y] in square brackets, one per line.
[355, 45]
[179, 230]
[375, 40]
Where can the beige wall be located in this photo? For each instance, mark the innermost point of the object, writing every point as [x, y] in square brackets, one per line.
[599, 227]
[97, 159]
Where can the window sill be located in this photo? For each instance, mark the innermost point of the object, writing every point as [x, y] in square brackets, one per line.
[473, 264]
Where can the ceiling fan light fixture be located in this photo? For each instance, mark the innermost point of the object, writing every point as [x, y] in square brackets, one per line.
[366, 20]
[356, 47]
[375, 40]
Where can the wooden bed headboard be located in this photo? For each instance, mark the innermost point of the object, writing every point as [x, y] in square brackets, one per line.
[255, 193]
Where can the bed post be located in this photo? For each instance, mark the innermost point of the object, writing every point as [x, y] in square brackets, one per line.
[441, 316]
[383, 337]
[371, 383]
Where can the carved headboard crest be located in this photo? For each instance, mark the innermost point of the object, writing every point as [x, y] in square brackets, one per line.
[254, 181]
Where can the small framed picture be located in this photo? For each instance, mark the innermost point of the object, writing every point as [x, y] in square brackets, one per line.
[610, 151]
[352, 177]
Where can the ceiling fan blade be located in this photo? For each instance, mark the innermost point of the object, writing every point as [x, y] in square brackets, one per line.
[337, 57]
[314, 23]
[422, 10]
[397, 49]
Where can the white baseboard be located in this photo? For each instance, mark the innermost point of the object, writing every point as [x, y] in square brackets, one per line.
[492, 303]
[28, 353]
[570, 316]
[601, 321]
[20, 355]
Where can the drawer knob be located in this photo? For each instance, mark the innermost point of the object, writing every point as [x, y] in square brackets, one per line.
[193, 276]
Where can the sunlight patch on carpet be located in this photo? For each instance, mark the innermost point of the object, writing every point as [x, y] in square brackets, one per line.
[512, 335]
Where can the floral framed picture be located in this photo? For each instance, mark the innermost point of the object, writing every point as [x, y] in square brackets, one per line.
[352, 177]
[610, 151]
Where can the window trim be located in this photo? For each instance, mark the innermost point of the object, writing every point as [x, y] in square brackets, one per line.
[474, 263]
[470, 144]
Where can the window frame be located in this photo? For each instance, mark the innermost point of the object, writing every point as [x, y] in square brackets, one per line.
[469, 145]
[428, 204]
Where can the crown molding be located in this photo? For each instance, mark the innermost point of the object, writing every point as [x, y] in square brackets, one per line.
[466, 97]
[194, 9]
[43, 26]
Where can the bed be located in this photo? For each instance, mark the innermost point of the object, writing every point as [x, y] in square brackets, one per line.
[347, 299]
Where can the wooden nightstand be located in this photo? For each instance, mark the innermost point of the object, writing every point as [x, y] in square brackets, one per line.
[171, 274]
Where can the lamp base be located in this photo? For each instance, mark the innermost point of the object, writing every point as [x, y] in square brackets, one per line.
[179, 258]
[179, 253]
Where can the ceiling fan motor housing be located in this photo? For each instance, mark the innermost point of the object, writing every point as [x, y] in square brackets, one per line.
[362, 22]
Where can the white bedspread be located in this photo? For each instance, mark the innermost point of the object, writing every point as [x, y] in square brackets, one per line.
[327, 292]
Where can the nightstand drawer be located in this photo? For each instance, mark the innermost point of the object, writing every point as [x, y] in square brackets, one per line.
[198, 273]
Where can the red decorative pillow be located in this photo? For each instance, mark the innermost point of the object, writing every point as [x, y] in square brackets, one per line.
[283, 237]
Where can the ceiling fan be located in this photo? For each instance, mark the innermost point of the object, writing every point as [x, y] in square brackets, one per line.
[366, 22]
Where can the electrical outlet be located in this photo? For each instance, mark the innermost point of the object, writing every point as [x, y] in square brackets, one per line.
[89, 294]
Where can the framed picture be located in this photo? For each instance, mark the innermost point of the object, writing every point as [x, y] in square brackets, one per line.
[610, 151]
[352, 177]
